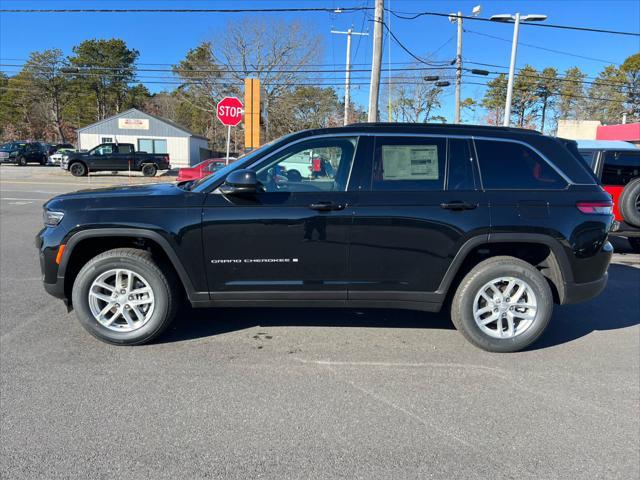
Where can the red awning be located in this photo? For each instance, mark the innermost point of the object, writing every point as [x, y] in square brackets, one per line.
[628, 131]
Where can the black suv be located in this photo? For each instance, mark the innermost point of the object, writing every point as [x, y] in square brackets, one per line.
[24, 152]
[498, 223]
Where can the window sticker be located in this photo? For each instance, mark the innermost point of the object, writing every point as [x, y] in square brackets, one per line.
[410, 162]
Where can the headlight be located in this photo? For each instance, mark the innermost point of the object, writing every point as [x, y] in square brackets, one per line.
[51, 219]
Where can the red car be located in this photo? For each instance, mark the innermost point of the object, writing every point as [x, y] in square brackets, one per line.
[202, 169]
[617, 165]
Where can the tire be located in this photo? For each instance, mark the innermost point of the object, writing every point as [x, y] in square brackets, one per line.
[630, 203]
[22, 161]
[78, 169]
[635, 244]
[468, 296]
[149, 170]
[159, 313]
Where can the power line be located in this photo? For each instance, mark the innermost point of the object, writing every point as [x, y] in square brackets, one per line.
[413, 16]
[542, 48]
[182, 10]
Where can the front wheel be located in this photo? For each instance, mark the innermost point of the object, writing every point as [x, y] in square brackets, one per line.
[22, 161]
[502, 305]
[149, 170]
[123, 297]
[635, 244]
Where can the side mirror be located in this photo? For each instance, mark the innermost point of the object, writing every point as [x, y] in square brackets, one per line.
[240, 182]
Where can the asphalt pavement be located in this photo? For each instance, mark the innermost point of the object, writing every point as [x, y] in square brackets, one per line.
[275, 393]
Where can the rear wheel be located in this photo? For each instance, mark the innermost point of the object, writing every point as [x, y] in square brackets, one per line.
[502, 305]
[149, 170]
[123, 297]
[78, 169]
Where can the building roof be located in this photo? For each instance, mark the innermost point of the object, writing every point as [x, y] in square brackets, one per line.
[156, 117]
[605, 145]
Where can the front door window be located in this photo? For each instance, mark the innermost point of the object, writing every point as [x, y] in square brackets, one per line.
[319, 165]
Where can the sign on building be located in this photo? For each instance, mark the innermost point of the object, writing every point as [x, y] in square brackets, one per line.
[133, 123]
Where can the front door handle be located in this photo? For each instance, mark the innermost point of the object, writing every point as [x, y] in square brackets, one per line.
[458, 205]
[326, 206]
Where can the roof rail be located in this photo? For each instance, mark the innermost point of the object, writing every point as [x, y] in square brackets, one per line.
[443, 126]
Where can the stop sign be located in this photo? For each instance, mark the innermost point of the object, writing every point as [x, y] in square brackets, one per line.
[230, 111]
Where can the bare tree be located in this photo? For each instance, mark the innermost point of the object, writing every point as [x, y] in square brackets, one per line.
[413, 99]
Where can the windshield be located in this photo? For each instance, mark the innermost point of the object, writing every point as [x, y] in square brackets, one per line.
[242, 162]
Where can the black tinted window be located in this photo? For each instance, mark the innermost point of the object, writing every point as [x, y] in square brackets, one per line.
[620, 168]
[125, 148]
[509, 165]
[460, 165]
[409, 164]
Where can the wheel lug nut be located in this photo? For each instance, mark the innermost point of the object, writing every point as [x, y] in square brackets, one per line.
[510, 308]
[130, 297]
[123, 291]
[508, 299]
[495, 310]
[117, 305]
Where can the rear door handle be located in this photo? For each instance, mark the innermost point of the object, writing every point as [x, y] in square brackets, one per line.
[458, 205]
[326, 206]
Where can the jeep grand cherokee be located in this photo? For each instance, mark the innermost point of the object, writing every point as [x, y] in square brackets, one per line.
[497, 223]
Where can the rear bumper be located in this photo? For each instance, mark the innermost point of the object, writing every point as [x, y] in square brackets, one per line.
[581, 292]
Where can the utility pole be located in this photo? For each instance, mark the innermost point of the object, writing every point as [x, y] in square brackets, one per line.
[457, 19]
[458, 68]
[347, 77]
[376, 63]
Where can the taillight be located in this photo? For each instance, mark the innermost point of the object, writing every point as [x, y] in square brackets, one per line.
[603, 208]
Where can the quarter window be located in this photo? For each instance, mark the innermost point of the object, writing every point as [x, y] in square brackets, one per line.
[408, 164]
[513, 166]
[620, 168]
[316, 165]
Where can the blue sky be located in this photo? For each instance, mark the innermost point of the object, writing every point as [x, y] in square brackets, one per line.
[165, 38]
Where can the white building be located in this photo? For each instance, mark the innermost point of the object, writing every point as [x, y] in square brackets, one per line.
[149, 134]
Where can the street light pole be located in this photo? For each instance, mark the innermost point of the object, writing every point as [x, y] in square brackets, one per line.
[512, 68]
[514, 48]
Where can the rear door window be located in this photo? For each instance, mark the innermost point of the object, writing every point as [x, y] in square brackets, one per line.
[125, 148]
[409, 164]
[506, 165]
[620, 168]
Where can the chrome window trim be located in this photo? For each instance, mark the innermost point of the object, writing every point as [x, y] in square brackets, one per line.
[357, 134]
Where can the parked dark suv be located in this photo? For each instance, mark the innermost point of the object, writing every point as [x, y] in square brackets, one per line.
[498, 223]
[24, 152]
